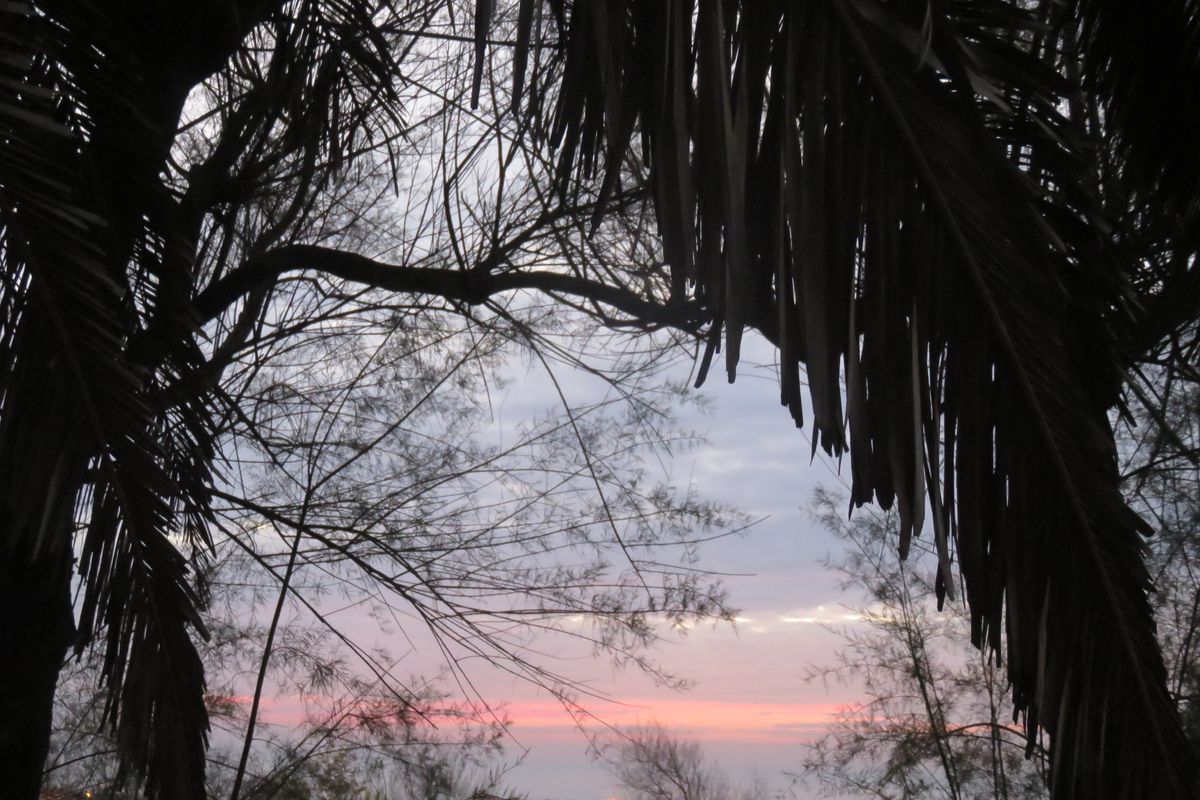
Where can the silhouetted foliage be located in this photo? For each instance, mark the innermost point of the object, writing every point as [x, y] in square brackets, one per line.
[259, 274]
[935, 721]
[979, 215]
[976, 218]
[651, 763]
[1159, 443]
[922, 730]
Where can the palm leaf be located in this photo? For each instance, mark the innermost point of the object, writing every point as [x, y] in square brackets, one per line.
[1142, 66]
[102, 427]
[80, 435]
[891, 193]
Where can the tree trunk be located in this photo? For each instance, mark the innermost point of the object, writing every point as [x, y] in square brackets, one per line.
[36, 628]
[43, 465]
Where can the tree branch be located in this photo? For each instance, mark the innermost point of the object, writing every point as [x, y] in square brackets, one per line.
[471, 286]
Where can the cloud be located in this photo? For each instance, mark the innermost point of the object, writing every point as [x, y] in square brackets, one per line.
[822, 615]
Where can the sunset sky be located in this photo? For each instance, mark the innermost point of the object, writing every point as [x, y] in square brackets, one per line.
[749, 703]
[748, 700]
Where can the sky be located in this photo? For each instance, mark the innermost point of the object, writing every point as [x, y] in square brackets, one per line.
[747, 702]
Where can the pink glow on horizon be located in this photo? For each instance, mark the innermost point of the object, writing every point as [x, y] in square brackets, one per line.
[696, 719]
[699, 719]
[693, 718]
[294, 710]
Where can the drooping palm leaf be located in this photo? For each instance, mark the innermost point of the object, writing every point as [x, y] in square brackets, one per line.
[106, 430]
[78, 434]
[1142, 66]
[891, 192]
[1140, 69]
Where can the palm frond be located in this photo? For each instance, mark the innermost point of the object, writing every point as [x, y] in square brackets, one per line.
[103, 426]
[892, 193]
[1142, 64]
[79, 432]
